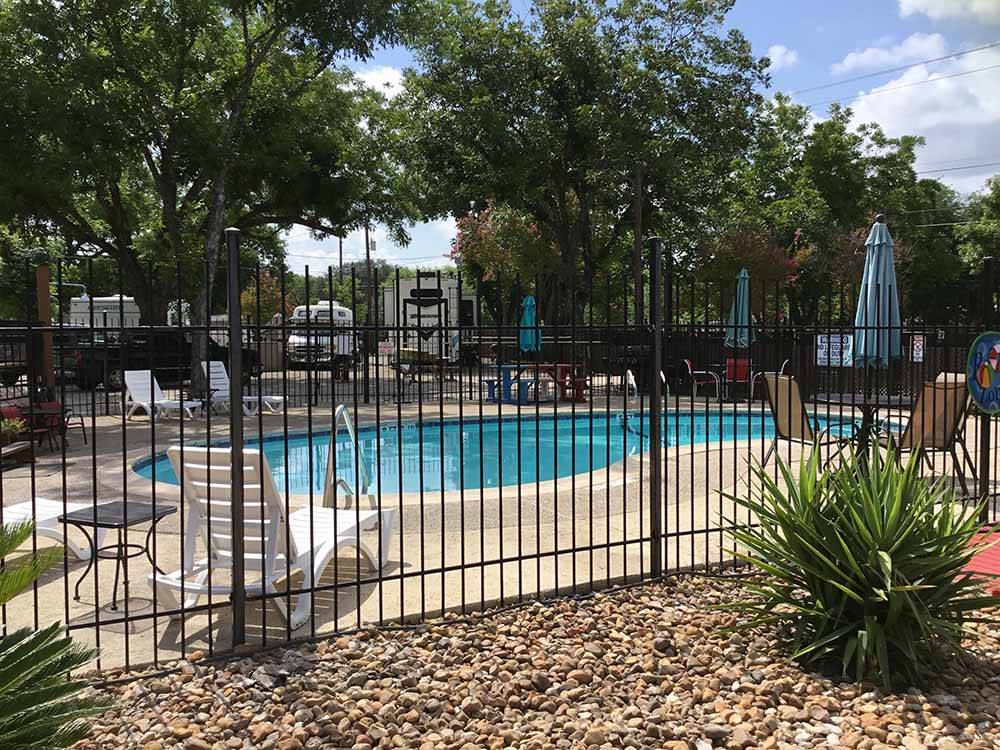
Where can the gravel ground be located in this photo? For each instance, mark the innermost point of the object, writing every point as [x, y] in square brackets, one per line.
[640, 668]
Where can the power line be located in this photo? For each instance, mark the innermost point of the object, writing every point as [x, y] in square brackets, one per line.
[961, 159]
[956, 223]
[957, 209]
[905, 85]
[895, 70]
[956, 169]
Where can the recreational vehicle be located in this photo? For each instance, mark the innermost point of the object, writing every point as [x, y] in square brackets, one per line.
[429, 314]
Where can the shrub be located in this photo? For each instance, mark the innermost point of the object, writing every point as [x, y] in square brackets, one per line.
[40, 708]
[10, 429]
[863, 563]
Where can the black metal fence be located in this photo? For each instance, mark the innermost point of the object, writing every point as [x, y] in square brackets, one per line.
[398, 446]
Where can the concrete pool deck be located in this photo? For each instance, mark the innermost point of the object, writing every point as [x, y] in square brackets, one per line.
[448, 550]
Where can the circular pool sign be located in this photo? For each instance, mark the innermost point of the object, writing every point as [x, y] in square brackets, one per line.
[983, 372]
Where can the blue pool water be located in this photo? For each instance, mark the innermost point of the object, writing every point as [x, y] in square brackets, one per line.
[496, 452]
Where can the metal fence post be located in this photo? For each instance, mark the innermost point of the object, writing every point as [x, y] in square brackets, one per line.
[239, 594]
[985, 421]
[655, 407]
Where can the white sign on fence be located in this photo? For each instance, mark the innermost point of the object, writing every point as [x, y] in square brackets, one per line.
[833, 349]
[386, 347]
[917, 348]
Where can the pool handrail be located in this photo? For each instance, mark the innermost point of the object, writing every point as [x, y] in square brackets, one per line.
[343, 414]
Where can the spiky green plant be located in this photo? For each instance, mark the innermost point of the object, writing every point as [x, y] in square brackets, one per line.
[40, 707]
[864, 563]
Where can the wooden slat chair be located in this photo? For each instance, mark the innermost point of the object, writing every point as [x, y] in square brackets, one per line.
[935, 424]
[793, 423]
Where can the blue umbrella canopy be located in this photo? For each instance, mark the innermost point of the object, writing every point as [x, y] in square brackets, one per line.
[740, 331]
[530, 338]
[877, 326]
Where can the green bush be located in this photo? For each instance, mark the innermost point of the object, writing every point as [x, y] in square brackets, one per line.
[40, 707]
[863, 563]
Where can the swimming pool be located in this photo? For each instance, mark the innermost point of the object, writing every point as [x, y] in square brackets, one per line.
[444, 454]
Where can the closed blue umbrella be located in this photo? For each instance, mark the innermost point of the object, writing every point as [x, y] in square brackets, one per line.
[740, 331]
[877, 327]
[530, 339]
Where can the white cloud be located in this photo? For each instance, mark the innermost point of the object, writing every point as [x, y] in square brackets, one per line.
[915, 47]
[385, 78]
[959, 116]
[782, 57]
[974, 10]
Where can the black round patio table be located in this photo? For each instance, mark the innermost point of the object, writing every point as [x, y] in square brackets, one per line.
[868, 405]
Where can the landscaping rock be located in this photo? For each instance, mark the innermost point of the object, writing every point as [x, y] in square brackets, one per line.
[647, 667]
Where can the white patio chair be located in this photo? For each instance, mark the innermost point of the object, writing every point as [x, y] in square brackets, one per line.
[144, 394]
[217, 378]
[45, 515]
[314, 533]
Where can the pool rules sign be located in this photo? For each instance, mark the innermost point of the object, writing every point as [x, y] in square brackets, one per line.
[983, 372]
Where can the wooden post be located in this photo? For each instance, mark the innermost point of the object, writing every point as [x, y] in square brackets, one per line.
[42, 279]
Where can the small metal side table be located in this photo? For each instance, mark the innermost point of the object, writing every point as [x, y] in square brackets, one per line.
[119, 516]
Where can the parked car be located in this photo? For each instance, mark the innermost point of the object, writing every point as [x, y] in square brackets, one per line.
[103, 357]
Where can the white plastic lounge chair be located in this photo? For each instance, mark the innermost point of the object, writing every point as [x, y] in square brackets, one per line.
[45, 515]
[314, 534]
[217, 378]
[144, 394]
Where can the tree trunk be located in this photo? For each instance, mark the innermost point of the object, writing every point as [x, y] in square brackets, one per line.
[200, 311]
[637, 200]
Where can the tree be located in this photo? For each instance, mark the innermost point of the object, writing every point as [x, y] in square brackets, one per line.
[506, 251]
[980, 235]
[262, 298]
[577, 115]
[807, 194]
[140, 130]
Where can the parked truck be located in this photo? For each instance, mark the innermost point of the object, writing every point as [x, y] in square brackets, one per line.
[102, 357]
[321, 335]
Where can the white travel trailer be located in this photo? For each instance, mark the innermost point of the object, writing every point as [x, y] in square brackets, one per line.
[321, 334]
[428, 316]
[108, 312]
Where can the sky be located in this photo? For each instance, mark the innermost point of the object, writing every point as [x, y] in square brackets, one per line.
[954, 103]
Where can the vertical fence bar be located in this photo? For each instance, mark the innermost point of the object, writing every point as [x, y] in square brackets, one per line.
[655, 407]
[985, 421]
[239, 595]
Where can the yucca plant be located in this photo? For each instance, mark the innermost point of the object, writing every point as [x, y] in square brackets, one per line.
[40, 707]
[863, 563]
